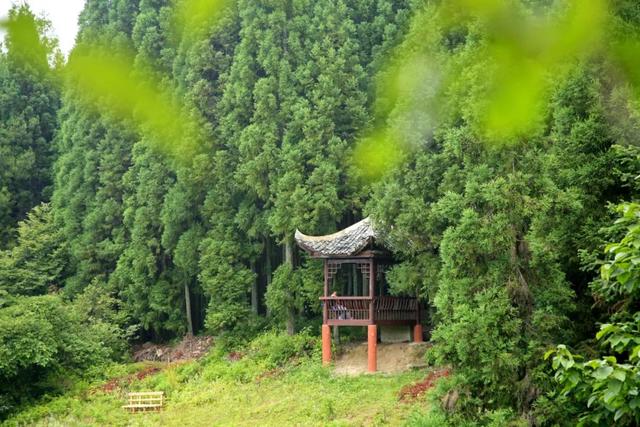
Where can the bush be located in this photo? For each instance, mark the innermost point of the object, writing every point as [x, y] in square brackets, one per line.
[276, 348]
[267, 351]
[241, 334]
[43, 341]
[605, 389]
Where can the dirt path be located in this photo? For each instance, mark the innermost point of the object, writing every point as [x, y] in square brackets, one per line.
[392, 358]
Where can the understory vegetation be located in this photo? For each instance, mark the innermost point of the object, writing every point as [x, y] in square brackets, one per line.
[278, 380]
[151, 184]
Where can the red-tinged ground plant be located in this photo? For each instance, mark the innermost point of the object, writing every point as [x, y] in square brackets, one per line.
[608, 388]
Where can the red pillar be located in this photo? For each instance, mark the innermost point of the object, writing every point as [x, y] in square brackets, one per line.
[417, 333]
[372, 350]
[326, 344]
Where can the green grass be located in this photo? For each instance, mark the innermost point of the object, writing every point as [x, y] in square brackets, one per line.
[252, 391]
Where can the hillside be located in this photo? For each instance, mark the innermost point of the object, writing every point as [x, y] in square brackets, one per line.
[268, 174]
[244, 389]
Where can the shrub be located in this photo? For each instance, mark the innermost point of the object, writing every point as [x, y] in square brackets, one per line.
[43, 341]
[241, 333]
[276, 348]
[267, 351]
[606, 388]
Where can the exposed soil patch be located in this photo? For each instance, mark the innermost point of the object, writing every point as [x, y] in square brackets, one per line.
[411, 392]
[234, 356]
[392, 358]
[116, 384]
[189, 348]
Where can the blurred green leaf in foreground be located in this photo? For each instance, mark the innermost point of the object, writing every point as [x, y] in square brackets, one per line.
[109, 79]
[514, 51]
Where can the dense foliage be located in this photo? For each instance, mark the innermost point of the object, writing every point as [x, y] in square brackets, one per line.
[143, 229]
[29, 100]
[606, 389]
[45, 342]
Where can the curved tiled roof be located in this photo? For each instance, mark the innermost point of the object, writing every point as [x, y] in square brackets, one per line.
[349, 241]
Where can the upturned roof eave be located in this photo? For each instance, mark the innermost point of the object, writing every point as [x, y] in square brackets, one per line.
[348, 242]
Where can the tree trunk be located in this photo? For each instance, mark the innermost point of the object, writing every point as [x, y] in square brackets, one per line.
[187, 304]
[267, 265]
[291, 318]
[254, 288]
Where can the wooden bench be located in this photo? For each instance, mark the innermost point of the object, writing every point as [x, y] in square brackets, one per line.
[145, 401]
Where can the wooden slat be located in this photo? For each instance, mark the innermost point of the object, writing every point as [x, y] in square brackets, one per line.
[146, 398]
[349, 322]
[145, 393]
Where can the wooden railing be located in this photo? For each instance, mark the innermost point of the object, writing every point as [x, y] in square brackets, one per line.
[366, 310]
[396, 309]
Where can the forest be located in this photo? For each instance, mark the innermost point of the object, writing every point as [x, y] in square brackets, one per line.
[152, 181]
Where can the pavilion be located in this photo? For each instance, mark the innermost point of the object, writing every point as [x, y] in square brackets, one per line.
[358, 249]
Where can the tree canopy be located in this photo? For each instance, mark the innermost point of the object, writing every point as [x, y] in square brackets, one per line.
[151, 184]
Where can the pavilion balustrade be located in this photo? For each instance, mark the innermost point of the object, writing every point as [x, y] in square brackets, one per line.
[354, 311]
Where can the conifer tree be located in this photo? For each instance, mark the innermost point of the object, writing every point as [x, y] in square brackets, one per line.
[144, 275]
[94, 154]
[29, 99]
[491, 234]
[199, 69]
[37, 261]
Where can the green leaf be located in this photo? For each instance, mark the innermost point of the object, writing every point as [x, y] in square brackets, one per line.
[620, 375]
[567, 363]
[593, 364]
[613, 390]
[602, 372]
[604, 330]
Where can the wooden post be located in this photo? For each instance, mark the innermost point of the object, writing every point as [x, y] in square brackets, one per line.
[326, 344]
[372, 291]
[372, 348]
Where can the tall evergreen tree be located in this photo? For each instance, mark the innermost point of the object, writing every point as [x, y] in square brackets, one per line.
[94, 154]
[145, 274]
[199, 71]
[29, 99]
[494, 232]
[37, 261]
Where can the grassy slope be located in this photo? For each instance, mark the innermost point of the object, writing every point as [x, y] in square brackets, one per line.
[218, 392]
